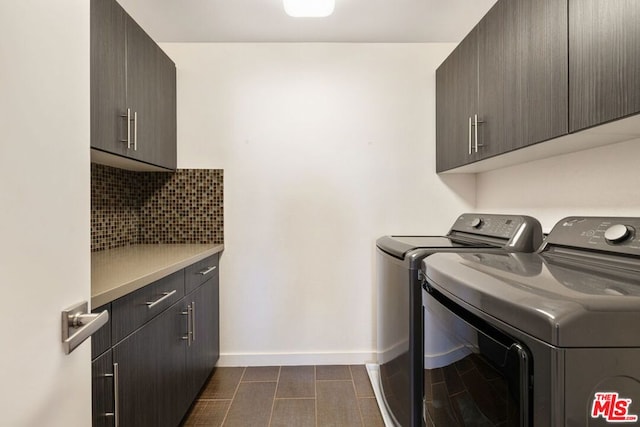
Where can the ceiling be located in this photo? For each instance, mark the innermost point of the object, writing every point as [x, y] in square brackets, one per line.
[266, 21]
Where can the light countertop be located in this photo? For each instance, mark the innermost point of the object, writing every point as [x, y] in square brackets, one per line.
[117, 272]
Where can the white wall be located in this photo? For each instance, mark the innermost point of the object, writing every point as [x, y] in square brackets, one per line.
[325, 147]
[44, 210]
[600, 181]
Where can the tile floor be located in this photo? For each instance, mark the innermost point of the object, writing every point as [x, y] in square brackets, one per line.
[300, 396]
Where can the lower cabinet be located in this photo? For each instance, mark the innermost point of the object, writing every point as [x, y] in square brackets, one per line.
[205, 348]
[152, 371]
[151, 376]
[102, 390]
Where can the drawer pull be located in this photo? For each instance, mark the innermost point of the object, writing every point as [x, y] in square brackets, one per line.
[165, 295]
[207, 270]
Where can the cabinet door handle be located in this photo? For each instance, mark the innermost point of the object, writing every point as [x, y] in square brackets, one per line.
[135, 131]
[112, 414]
[128, 116]
[207, 270]
[165, 295]
[189, 337]
[193, 321]
[476, 131]
[116, 395]
[470, 135]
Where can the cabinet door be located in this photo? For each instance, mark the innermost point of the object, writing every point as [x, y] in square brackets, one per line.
[151, 96]
[522, 74]
[604, 61]
[151, 365]
[141, 89]
[108, 79]
[102, 391]
[456, 102]
[204, 351]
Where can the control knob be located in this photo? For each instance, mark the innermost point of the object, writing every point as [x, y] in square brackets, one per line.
[618, 233]
[476, 222]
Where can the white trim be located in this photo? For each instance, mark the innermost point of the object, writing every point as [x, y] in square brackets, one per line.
[295, 359]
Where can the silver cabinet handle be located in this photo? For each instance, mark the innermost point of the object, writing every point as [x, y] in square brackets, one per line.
[135, 131]
[469, 134]
[165, 295]
[116, 395]
[207, 270]
[78, 325]
[193, 321]
[476, 131]
[189, 336]
[128, 116]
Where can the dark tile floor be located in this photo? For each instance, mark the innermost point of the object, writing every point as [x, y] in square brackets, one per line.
[273, 396]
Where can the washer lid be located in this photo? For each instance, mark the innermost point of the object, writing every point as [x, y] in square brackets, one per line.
[562, 305]
[399, 246]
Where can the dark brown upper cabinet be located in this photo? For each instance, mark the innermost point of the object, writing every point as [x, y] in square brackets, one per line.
[456, 103]
[604, 61]
[512, 91]
[133, 90]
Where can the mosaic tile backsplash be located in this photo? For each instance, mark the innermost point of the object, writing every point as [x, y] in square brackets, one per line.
[128, 207]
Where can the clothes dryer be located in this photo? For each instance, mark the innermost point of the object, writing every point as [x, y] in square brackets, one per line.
[544, 339]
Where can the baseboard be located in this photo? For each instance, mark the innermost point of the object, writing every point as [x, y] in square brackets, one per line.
[295, 359]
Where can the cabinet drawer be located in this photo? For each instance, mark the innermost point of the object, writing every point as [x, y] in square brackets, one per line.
[133, 310]
[198, 273]
[101, 340]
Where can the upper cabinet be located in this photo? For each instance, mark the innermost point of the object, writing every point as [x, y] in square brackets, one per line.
[456, 104]
[133, 90]
[604, 61]
[522, 74]
[505, 85]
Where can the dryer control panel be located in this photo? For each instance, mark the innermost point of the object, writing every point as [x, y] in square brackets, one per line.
[502, 226]
[609, 234]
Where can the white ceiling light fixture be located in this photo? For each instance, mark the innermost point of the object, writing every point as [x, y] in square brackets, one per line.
[309, 8]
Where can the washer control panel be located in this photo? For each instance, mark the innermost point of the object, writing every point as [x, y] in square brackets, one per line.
[610, 234]
[502, 226]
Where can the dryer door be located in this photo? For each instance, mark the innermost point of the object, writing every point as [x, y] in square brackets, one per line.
[482, 379]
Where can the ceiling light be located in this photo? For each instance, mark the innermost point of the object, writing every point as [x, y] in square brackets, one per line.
[309, 8]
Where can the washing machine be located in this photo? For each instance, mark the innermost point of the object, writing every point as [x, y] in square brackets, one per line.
[402, 353]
